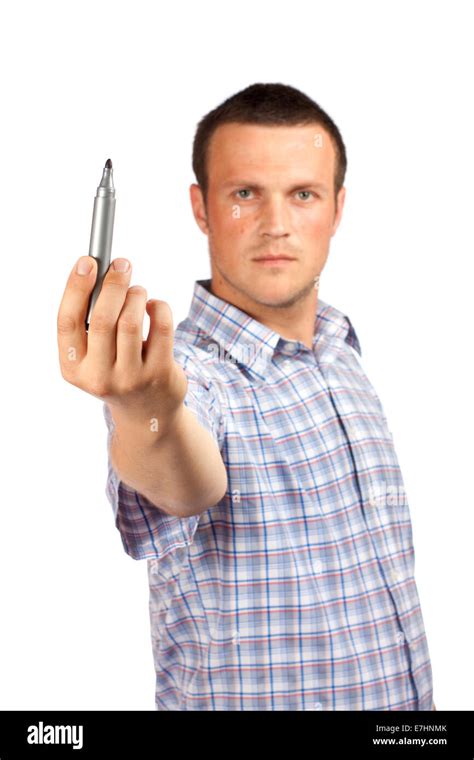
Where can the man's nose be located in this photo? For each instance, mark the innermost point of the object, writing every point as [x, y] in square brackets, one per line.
[274, 217]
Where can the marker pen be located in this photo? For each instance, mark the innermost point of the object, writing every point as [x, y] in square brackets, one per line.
[102, 231]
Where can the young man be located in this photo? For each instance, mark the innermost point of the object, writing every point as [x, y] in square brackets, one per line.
[250, 459]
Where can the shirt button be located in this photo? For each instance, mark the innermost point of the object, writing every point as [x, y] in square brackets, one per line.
[400, 637]
[318, 566]
[395, 576]
[287, 363]
[318, 706]
[288, 346]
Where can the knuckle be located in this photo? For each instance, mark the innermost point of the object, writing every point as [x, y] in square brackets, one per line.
[164, 327]
[66, 324]
[97, 386]
[127, 388]
[162, 317]
[131, 383]
[113, 287]
[163, 378]
[101, 323]
[129, 325]
[114, 280]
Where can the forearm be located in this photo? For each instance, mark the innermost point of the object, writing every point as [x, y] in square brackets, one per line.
[178, 468]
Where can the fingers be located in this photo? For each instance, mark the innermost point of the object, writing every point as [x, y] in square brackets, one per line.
[158, 349]
[130, 333]
[114, 343]
[72, 337]
[101, 341]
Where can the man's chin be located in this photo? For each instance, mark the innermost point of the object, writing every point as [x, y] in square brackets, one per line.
[262, 289]
[278, 295]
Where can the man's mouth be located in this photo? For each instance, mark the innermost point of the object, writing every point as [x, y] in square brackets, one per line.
[274, 260]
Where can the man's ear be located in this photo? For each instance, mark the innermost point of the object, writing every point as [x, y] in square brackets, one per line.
[199, 207]
[341, 196]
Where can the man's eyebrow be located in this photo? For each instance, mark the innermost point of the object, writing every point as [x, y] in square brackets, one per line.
[256, 186]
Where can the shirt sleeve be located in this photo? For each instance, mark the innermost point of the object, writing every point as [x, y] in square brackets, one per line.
[147, 531]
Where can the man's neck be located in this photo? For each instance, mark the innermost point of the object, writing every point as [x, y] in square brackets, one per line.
[295, 322]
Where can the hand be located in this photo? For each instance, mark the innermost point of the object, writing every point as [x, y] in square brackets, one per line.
[139, 379]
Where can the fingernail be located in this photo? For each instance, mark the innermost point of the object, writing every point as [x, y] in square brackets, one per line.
[121, 265]
[84, 266]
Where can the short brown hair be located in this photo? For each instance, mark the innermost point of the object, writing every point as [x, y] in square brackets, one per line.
[269, 104]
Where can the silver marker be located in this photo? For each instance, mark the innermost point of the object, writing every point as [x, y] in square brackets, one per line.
[102, 231]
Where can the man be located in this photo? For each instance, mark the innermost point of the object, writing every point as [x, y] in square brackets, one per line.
[250, 460]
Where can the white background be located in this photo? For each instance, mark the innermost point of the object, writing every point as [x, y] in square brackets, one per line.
[82, 82]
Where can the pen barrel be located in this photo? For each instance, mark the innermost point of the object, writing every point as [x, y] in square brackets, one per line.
[100, 245]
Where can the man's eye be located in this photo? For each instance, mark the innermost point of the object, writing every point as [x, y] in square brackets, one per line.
[303, 192]
[243, 190]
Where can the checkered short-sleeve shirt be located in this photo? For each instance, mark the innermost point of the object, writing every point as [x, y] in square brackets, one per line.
[296, 591]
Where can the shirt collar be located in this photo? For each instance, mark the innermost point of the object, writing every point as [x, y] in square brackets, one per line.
[250, 342]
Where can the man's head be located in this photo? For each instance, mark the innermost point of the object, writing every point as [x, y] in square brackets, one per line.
[270, 166]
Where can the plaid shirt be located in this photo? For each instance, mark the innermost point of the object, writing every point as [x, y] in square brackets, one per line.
[296, 591]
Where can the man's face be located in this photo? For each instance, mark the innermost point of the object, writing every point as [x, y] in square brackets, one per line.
[270, 193]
